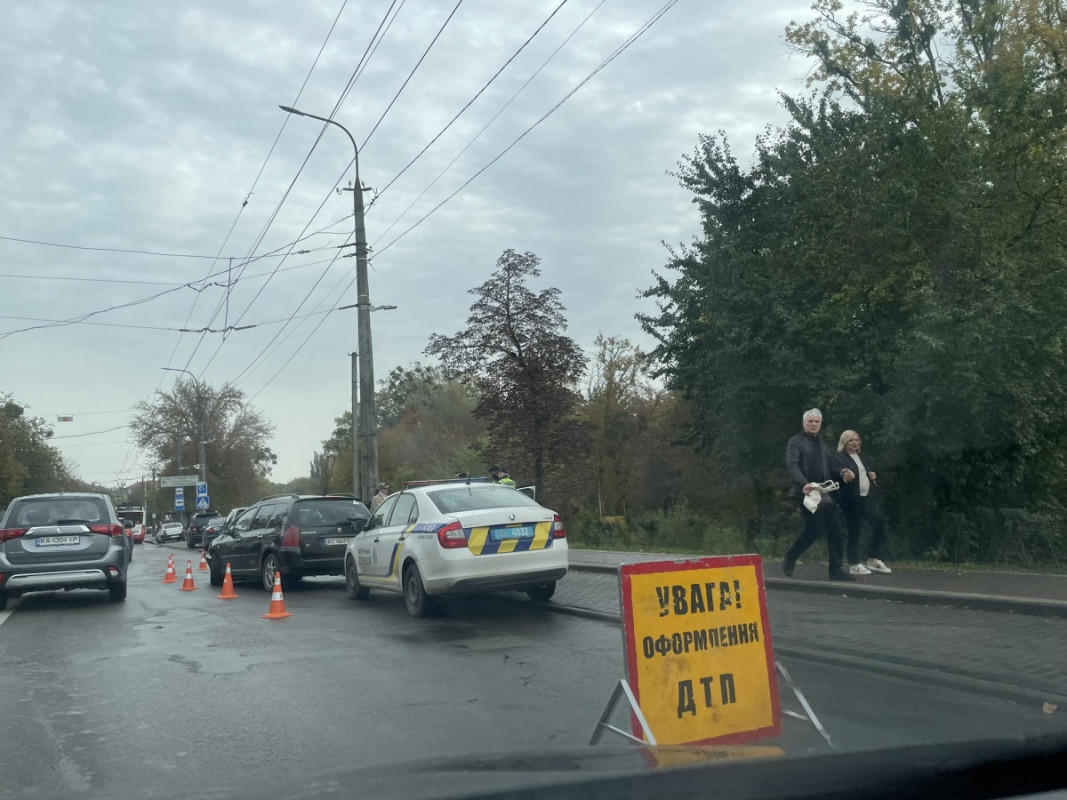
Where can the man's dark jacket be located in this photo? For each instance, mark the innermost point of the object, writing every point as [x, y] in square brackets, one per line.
[808, 460]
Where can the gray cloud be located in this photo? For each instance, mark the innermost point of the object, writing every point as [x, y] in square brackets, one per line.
[143, 126]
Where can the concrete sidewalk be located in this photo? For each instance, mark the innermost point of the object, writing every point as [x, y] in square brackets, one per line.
[1038, 594]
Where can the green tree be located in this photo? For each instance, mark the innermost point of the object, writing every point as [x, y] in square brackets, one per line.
[436, 433]
[338, 449]
[237, 438]
[896, 256]
[320, 468]
[515, 354]
[28, 464]
[619, 407]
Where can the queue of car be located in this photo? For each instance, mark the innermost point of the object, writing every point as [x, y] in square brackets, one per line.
[430, 540]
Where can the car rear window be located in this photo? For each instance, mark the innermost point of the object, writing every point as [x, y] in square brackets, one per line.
[326, 511]
[53, 510]
[472, 498]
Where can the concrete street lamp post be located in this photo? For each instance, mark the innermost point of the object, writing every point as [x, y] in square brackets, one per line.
[367, 425]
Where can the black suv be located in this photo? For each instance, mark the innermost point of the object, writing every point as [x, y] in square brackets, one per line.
[194, 534]
[295, 535]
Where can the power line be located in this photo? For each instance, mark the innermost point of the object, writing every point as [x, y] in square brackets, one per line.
[109, 249]
[96, 444]
[356, 73]
[473, 99]
[259, 356]
[303, 344]
[91, 433]
[485, 127]
[617, 52]
[407, 80]
[224, 303]
[411, 74]
[85, 413]
[83, 317]
[201, 284]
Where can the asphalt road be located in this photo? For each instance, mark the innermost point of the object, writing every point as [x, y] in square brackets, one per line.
[177, 693]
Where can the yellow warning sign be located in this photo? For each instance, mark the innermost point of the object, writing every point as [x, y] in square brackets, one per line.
[698, 649]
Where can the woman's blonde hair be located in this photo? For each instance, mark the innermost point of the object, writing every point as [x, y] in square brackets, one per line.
[845, 436]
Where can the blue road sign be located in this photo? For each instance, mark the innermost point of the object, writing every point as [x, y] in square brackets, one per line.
[179, 499]
[201, 489]
[203, 503]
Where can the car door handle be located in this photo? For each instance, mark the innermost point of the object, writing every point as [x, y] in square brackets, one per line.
[375, 539]
[400, 539]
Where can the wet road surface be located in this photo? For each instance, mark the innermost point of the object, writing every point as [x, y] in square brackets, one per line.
[178, 693]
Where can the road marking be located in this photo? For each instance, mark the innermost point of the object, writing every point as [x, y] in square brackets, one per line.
[12, 605]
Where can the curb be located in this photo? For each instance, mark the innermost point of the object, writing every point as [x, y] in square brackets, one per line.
[930, 674]
[925, 674]
[1002, 604]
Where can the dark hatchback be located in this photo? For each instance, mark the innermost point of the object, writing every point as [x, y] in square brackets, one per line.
[296, 535]
[194, 534]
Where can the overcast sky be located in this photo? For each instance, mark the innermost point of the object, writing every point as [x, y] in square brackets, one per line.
[146, 126]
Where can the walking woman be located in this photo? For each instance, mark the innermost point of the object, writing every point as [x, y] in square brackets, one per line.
[857, 480]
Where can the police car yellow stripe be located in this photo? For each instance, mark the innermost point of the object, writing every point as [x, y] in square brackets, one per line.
[508, 545]
[542, 536]
[476, 540]
[395, 563]
[480, 543]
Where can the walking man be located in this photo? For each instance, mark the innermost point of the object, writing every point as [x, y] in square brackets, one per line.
[807, 457]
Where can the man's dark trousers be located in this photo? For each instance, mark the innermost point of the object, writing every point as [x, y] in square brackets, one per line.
[824, 520]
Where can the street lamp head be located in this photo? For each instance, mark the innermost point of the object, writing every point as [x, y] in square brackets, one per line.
[179, 369]
[288, 110]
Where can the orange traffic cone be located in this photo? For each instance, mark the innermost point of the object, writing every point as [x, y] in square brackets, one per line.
[203, 561]
[187, 584]
[227, 586]
[170, 576]
[277, 603]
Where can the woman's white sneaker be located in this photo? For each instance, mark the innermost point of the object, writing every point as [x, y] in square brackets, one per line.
[858, 569]
[877, 565]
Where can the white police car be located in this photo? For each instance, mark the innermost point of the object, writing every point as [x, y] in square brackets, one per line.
[450, 537]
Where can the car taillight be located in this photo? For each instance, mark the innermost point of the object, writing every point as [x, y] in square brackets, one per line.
[291, 537]
[11, 533]
[110, 530]
[558, 531]
[452, 536]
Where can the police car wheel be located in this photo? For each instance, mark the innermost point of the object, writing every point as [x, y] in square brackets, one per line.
[355, 590]
[542, 592]
[418, 603]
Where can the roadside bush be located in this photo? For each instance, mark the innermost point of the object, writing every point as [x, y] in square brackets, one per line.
[678, 530]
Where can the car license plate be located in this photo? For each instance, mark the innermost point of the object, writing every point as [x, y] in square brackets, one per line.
[49, 541]
[343, 540]
[518, 532]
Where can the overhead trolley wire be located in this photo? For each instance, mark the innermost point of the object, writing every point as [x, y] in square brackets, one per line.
[485, 127]
[615, 54]
[371, 48]
[411, 74]
[407, 80]
[470, 102]
[225, 301]
[392, 102]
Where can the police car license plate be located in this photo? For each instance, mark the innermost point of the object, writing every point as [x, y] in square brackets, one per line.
[518, 532]
[342, 540]
[49, 541]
